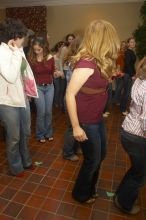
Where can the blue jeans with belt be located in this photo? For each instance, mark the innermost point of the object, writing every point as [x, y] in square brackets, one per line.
[94, 151]
[44, 111]
[135, 177]
[16, 121]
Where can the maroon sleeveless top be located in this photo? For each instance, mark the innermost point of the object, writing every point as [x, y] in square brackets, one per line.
[90, 106]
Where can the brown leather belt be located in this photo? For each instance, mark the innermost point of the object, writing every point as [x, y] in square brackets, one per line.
[91, 91]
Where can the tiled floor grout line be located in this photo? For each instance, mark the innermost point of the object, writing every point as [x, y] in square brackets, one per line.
[52, 171]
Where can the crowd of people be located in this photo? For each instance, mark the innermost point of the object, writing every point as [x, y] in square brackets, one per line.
[76, 75]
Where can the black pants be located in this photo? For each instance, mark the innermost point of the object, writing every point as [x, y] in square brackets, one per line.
[94, 150]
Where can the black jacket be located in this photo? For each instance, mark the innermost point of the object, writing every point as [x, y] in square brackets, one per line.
[130, 59]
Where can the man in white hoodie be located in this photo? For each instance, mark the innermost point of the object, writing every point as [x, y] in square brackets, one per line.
[16, 84]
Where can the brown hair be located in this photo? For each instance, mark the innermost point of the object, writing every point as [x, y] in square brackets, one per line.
[43, 43]
[72, 50]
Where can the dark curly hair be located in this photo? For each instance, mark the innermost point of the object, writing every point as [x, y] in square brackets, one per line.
[57, 46]
[12, 29]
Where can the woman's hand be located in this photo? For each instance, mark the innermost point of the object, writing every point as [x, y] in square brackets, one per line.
[12, 45]
[58, 74]
[79, 134]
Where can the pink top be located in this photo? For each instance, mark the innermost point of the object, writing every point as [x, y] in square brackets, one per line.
[43, 71]
[135, 121]
[90, 106]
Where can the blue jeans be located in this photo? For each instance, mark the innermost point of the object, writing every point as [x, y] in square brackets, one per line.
[135, 177]
[127, 84]
[63, 88]
[16, 121]
[59, 85]
[118, 91]
[94, 151]
[109, 100]
[70, 144]
[44, 111]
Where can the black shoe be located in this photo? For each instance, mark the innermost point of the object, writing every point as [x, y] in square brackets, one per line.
[135, 210]
[72, 158]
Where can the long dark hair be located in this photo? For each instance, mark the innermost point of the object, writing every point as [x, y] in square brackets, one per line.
[43, 43]
[66, 39]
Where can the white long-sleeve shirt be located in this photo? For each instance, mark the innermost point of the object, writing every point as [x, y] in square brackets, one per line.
[11, 85]
[135, 121]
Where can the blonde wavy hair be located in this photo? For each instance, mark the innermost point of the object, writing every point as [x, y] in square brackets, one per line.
[102, 44]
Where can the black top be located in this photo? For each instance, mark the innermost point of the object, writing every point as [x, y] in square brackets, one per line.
[130, 59]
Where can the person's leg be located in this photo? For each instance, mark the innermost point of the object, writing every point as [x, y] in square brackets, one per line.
[25, 123]
[10, 116]
[126, 93]
[102, 133]
[69, 146]
[57, 91]
[40, 117]
[118, 90]
[134, 178]
[49, 95]
[63, 84]
[109, 100]
[88, 174]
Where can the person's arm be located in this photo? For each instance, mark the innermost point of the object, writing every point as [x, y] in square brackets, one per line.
[140, 63]
[79, 77]
[143, 117]
[10, 63]
[63, 54]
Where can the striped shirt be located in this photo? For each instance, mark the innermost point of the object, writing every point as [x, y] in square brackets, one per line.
[135, 121]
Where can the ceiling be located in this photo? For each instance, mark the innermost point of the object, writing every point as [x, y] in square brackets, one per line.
[23, 3]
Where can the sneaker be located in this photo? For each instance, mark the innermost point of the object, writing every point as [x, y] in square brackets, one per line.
[135, 210]
[108, 113]
[31, 167]
[105, 115]
[42, 140]
[90, 201]
[125, 113]
[72, 158]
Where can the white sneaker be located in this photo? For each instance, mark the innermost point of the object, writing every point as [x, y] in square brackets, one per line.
[105, 115]
[74, 157]
[108, 113]
[125, 113]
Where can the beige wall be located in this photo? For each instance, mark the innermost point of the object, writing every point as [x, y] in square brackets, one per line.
[2, 14]
[62, 20]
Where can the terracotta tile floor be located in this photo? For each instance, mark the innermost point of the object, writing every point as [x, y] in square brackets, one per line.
[45, 193]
